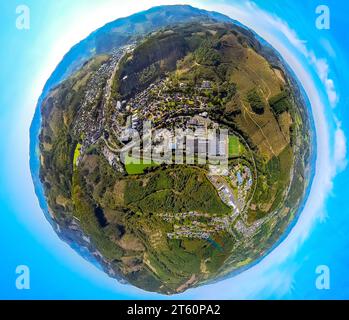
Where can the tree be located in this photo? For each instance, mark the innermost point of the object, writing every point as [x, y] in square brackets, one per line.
[256, 101]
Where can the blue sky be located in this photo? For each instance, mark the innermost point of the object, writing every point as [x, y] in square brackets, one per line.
[319, 59]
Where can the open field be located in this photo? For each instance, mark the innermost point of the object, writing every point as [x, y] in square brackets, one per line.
[234, 146]
[256, 73]
[132, 167]
[76, 154]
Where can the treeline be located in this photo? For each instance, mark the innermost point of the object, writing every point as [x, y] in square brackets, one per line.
[280, 103]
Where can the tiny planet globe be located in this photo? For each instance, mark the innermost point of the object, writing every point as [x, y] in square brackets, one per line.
[174, 148]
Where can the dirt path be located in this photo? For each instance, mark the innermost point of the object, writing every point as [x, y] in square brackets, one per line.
[259, 127]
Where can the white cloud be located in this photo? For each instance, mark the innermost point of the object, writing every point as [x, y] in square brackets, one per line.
[327, 46]
[340, 149]
[322, 68]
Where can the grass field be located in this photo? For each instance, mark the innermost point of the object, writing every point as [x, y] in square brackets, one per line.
[234, 146]
[254, 73]
[132, 167]
[76, 153]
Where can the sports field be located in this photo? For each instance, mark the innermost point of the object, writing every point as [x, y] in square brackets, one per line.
[234, 146]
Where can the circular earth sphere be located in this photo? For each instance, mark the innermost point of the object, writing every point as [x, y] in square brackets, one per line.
[175, 148]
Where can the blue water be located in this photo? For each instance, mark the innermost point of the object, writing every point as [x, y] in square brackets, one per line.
[56, 270]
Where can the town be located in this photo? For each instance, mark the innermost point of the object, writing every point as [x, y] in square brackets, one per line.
[168, 122]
